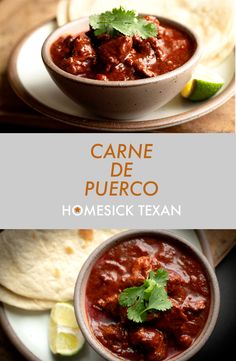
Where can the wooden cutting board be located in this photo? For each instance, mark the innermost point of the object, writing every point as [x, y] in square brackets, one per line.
[221, 242]
[16, 19]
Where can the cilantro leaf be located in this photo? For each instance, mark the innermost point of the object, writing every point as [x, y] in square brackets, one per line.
[131, 295]
[151, 296]
[161, 277]
[137, 312]
[159, 300]
[119, 20]
[150, 284]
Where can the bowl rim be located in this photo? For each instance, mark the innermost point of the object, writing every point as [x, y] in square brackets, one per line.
[80, 287]
[46, 57]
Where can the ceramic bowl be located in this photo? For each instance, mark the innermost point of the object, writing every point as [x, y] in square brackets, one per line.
[80, 292]
[119, 99]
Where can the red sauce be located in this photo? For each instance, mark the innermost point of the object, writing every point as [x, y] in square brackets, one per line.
[164, 334]
[123, 57]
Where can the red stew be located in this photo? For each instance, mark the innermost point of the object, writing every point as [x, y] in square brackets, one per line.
[123, 57]
[164, 334]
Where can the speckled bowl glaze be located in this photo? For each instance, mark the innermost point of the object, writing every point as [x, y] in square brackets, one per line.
[119, 99]
[81, 284]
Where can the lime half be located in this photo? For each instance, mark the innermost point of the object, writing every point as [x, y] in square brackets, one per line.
[204, 84]
[65, 337]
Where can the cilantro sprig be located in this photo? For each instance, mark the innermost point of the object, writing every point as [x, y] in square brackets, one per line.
[151, 296]
[119, 20]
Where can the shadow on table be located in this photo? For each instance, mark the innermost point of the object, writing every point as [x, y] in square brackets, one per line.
[222, 341]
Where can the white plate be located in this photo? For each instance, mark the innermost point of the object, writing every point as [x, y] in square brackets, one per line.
[31, 81]
[29, 330]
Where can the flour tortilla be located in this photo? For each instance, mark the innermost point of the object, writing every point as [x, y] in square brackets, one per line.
[63, 12]
[44, 265]
[12, 299]
[213, 20]
[80, 8]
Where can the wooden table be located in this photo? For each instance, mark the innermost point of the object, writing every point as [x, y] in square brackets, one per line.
[16, 19]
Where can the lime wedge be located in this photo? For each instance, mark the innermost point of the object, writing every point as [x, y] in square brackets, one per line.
[65, 337]
[204, 84]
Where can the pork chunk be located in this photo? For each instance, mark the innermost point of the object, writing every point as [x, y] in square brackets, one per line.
[141, 268]
[83, 49]
[143, 59]
[173, 319]
[151, 340]
[75, 66]
[115, 336]
[174, 286]
[115, 51]
[176, 322]
[113, 331]
[110, 304]
[194, 303]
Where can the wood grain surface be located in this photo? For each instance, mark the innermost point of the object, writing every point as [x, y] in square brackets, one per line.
[17, 17]
[221, 243]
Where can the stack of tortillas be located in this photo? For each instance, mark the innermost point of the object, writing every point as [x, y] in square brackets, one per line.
[213, 20]
[40, 268]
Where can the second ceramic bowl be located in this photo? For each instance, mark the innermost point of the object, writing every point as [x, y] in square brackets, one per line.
[81, 286]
